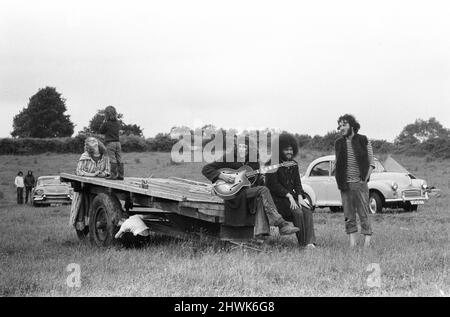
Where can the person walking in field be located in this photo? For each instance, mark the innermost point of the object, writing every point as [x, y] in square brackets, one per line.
[110, 128]
[29, 184]
[354, 165]
[19, 186]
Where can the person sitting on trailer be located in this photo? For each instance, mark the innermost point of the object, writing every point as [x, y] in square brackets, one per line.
[252, 206]
[287, 192]
[95, 160]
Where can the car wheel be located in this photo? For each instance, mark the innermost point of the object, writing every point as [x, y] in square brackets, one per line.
[106, 212]
[335, 209]
[375, 203]
[409, 207]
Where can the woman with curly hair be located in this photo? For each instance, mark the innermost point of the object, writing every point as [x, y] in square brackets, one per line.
[110, 128]
[286, 189]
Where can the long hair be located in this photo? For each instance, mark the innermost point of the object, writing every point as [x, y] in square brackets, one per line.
[90, 151]
[287, 140]
[251, 144]
[351, 121]
[110, 113]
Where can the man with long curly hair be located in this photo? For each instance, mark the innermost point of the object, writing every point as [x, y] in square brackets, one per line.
[286, 189]
[354, 164]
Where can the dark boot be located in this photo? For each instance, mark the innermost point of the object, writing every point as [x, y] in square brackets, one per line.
[120, 171]
[113, 171]
[285, 228]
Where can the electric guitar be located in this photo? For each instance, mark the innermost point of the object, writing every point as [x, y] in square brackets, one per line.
[227, 190]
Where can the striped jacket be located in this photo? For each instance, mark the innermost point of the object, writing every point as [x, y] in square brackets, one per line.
[87, 165]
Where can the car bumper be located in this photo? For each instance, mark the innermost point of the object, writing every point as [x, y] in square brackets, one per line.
[404, 199]
[52, 200]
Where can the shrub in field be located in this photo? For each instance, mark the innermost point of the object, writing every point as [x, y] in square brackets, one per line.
[133, 143]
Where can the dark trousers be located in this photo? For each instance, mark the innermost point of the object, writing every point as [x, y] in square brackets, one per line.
[28, 194]
[20, 195]
[355, 200]
[114, 152]
[302, 218]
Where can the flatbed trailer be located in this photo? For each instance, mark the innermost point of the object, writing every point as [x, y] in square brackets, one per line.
[170, 206]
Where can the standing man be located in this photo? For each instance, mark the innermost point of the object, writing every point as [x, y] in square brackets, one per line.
[286, 189]
[354, 164]
[29, 184]
[19, 186]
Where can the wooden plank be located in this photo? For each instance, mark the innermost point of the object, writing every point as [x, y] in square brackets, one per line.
[203, 205]
[162, 188]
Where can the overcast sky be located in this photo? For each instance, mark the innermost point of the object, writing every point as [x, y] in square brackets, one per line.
[293, 65]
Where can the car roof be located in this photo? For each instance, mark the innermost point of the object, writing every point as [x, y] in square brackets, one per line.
[48, 177]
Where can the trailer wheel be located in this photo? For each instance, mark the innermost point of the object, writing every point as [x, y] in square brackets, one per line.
[105, 214]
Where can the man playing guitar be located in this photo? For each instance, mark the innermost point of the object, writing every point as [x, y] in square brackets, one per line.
[240, 205]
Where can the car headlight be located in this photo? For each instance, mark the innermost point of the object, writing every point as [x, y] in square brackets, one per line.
[424, 186]
[394, 186]
[39, 192]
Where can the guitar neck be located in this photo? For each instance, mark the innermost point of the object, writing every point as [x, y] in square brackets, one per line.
[265, 169]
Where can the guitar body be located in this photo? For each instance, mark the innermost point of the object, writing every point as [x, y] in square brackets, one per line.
[228, 191]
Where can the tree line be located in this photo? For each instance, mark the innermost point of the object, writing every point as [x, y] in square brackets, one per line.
[43, 126]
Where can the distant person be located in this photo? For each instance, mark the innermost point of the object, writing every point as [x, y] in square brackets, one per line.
[29, 184]
[110, 128]
[354, 164]
[19, 185]
[287, 192]
[94, 161]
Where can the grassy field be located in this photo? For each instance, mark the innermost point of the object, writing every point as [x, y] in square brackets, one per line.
[36, 246]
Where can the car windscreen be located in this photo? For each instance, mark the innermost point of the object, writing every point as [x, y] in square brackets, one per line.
[49, 181]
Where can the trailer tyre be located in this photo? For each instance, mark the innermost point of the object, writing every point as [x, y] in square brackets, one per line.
[103, 220]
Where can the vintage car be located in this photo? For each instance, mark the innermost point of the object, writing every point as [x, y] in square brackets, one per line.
[390, 186]
[50, 190]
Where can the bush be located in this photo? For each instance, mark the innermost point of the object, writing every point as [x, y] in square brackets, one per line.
[133, 143]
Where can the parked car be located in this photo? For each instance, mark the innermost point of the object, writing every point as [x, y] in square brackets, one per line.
[390, 186]
[50, 190]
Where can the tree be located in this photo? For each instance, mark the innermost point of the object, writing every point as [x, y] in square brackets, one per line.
[421, 131]
[43, 117]
[125, 129]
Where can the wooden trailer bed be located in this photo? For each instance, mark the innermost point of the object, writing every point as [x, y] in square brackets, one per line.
[171, 206]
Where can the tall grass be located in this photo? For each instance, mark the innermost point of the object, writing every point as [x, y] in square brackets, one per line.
[37, 245]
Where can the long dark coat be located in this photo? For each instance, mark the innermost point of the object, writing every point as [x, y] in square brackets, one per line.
[285, 180]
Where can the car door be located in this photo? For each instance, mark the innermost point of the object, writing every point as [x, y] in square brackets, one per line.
[319, 180]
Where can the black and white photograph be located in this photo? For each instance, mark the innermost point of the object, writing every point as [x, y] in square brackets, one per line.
[224, 156]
